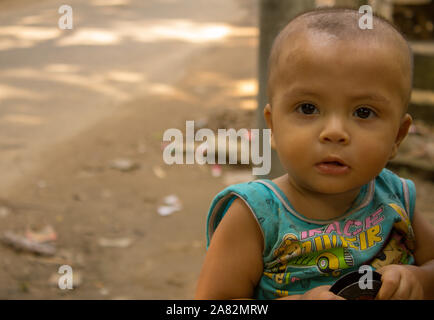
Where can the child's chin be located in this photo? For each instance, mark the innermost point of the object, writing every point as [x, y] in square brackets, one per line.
[333, 187]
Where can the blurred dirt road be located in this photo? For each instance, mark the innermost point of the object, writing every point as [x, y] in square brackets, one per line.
[55, 83]
[72, 101]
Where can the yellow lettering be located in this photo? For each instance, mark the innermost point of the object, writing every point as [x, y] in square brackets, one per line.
[334, 240]
[362, 238]
[344, 242]
[351, 244]
[348, 242]
[318, 244]
[327, 243]
[372, 235]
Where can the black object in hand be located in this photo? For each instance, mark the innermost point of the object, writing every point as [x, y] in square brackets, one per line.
[348, 286]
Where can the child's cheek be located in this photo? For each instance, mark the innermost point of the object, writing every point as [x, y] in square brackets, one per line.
[373, 152]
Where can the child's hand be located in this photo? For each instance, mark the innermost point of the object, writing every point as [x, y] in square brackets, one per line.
[399, 282]
[318, 293]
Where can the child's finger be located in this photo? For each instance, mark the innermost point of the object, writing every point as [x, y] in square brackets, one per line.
[408, 290]
[321, 293]
[390, 284]
[403, 291]
[416, 293]
[326, 294]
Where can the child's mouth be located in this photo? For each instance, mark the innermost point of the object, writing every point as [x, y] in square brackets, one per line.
[332, 167]
[334, 162]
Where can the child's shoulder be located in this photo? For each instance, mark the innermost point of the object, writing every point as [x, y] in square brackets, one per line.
[389, 184]
[255, 190]
[388, 175]
[256, 194]
[390, 180]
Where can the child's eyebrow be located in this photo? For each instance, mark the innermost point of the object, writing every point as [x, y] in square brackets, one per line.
[299, 92]
[303, 92]
[371, 96]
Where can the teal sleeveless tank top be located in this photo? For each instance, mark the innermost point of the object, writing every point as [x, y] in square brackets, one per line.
[300, 254]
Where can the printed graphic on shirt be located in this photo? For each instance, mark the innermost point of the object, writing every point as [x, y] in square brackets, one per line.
[400, 243]
[325, 247]
[329, 250]
[403, 225]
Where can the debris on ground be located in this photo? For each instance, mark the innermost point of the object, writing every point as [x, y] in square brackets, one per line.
[216, 170]
[124, 164]
[166, 210]
[227, 118]
[22, 243]
[45, 234]
[159, 172]
[171, 205]
[62, 257]
[115, 243]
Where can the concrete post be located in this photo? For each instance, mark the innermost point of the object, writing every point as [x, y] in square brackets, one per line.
[274, 16]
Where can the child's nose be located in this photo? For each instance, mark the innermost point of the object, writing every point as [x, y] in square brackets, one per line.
[334, 132]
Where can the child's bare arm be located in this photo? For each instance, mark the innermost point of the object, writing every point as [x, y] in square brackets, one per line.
[233, 263]
[412, 282]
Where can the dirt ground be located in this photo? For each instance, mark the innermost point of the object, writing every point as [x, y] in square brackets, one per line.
[86, 201]
[77, 192]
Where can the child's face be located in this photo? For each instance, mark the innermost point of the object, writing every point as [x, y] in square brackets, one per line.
[337, 99]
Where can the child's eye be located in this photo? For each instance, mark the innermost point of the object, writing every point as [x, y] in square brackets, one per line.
[364, 113]
[307, 108]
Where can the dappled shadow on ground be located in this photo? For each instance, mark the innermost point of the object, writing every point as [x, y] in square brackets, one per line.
[97, 194]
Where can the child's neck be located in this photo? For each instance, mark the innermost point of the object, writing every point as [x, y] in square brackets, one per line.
[316, 206]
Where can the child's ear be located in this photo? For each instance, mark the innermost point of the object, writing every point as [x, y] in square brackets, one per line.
[402, 133]
[269, 121]
[267, 116]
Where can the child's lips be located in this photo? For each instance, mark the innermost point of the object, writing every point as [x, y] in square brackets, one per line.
[332, 166]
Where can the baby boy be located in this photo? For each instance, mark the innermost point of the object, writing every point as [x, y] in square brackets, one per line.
[337, 110]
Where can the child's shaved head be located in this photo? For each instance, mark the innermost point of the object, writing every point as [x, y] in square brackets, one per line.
[340, 24]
